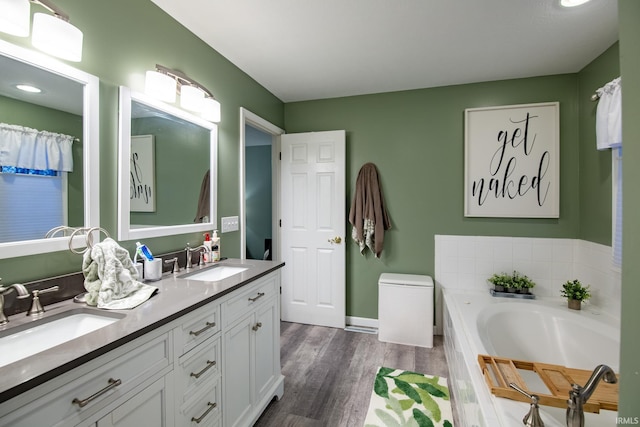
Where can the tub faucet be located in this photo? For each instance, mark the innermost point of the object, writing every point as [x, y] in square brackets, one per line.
[532, 418]
[20, 290]
[578, 396]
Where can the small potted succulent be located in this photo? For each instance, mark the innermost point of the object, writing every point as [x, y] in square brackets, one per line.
[512, 283]
[522, 283]
[575, 293]
[500, 282]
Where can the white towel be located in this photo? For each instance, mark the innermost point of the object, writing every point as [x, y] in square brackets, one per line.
[110, 278]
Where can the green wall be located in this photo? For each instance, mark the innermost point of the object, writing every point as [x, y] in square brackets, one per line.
[595, 166]
[629, 16]
[123, 39]
[181, 161]
[416, 138]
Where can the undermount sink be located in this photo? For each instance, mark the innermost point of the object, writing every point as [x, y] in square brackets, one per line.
[213, 274]
[31, 338]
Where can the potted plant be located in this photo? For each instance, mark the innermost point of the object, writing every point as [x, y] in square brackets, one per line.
[500, 282]
[522, 283]
[575, 293]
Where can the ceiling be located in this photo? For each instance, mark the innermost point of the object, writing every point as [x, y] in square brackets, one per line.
[303, 49]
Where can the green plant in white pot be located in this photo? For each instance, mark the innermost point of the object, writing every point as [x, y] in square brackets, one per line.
[575, 293]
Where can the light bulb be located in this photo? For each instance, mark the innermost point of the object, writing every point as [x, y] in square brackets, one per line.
[56, 37]
[15, 17]
[191, 98]
[160, 86]
[211, 110]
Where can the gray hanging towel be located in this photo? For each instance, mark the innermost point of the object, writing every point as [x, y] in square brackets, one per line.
[368, 214]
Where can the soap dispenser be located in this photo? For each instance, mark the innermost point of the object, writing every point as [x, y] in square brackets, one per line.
[215, 247]
[208, 257]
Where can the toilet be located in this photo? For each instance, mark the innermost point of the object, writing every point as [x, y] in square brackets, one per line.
[405, 309]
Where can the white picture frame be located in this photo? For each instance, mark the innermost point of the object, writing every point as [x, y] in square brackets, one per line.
[512, 161]
[143, 176]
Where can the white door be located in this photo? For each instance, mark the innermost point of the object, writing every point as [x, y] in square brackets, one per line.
[314, 220]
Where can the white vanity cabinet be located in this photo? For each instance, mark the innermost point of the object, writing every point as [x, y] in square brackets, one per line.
[215, 366]
[251, 351]
[140, 369]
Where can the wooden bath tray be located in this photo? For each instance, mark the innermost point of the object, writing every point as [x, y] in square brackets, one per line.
[498, 372]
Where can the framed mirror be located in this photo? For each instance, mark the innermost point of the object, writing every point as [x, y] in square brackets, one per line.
[42, 195]
[167, 170]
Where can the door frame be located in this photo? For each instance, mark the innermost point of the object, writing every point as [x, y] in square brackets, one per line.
[252, 119]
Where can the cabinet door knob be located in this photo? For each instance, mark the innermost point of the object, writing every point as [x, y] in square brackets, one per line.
[257, 326]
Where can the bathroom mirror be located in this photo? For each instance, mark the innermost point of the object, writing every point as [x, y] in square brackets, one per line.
[167, 161]
[67, 104]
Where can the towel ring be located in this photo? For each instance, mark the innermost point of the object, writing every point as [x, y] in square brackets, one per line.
[88, 233]
[61, 228]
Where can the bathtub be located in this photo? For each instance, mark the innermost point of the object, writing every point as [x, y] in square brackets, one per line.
[541, 330]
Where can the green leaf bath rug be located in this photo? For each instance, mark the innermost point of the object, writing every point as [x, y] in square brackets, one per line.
[409, 399]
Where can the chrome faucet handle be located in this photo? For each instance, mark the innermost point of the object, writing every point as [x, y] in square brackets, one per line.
[36, 307]
[532, 418]
[175, 267]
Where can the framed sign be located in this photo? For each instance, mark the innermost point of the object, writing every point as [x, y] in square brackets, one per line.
[143, 174]
[512, 161]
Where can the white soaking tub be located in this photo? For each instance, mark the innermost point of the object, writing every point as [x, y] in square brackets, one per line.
[541, 330]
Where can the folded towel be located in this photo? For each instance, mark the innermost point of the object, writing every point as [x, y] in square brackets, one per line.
[110, 278]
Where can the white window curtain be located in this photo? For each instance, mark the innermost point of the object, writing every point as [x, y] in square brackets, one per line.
[23, 147]
[609, 135]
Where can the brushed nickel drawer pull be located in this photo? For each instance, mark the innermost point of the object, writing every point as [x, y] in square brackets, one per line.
[84, 402]
[210, 364]
[198, 420]
[257, 326]
[209, 326]
[260, 295]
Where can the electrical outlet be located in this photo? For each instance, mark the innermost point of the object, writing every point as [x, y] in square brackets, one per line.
[229, 223]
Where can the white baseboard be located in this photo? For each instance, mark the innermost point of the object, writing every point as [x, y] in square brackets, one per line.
[362, 321]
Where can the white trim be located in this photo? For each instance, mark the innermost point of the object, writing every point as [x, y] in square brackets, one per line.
[362, 322]
[249, 118]
[90, 148]
[125, 232]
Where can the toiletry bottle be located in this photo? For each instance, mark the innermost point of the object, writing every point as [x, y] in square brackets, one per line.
[215, 248]
[208, 255]
[144, 251]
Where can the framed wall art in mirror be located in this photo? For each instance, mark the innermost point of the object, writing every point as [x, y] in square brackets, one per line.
[167, 170]
[49, 145]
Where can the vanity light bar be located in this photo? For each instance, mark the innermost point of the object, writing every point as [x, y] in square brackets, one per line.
[193, 95]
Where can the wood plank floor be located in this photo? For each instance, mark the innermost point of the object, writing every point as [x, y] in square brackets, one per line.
[329, 374]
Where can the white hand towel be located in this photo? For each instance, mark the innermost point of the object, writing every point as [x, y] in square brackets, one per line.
[110, 278]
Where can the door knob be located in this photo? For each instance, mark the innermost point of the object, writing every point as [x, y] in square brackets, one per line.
[337, 240]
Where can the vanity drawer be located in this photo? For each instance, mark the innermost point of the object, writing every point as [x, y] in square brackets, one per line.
[197, 327]
[204, 409]
[249, 299]
[71, 397]
[197, 367]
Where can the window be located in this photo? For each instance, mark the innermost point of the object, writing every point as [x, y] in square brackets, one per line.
[31, 218]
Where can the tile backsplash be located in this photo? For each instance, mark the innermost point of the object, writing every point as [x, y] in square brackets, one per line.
[466, 262]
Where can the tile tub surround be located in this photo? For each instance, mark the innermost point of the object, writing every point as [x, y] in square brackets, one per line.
[466, 262]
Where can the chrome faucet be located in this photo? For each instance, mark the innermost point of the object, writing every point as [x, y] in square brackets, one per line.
[532, 418]
[199, 249]
[578, 396]
[20, 290]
